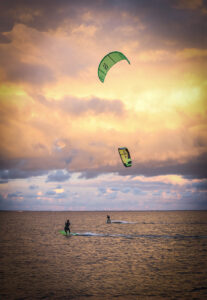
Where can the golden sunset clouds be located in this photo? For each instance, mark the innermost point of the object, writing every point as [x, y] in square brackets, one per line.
[57, 115]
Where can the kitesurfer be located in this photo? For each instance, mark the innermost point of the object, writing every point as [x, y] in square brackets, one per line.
[67, 227]
[108, 219]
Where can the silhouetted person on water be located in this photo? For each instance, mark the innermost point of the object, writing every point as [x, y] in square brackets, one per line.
[67, 227]
[108, 219]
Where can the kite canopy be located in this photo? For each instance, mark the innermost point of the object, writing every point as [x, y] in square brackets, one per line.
[108, 61]
[125, 156]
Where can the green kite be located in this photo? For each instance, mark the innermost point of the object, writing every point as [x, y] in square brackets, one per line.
[108, 61]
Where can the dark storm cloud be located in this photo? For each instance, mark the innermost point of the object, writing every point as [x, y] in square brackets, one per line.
[58, 176]
[200, 186]
[6, 175]
[25, 168]
[3, 181]
[89, 174]
[195, 167]
[42, 15]
[165, 20]
[6, 163]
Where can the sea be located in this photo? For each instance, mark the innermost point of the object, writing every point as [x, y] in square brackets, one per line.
[140, 255]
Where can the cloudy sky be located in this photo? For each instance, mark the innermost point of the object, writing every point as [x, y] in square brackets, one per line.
[60, 126]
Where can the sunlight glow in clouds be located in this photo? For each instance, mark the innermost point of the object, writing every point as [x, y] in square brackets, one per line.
[60, 126]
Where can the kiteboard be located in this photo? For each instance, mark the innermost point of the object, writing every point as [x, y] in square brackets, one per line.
[63, 233]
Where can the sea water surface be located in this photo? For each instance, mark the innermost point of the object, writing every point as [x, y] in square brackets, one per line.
[145, 255]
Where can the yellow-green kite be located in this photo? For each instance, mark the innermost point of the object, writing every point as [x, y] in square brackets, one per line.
[125, 156]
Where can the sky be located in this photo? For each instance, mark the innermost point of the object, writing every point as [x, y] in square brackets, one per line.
[60, 126]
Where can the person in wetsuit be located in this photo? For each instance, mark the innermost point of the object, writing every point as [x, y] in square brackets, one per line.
[67, 227]
[108, 219]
